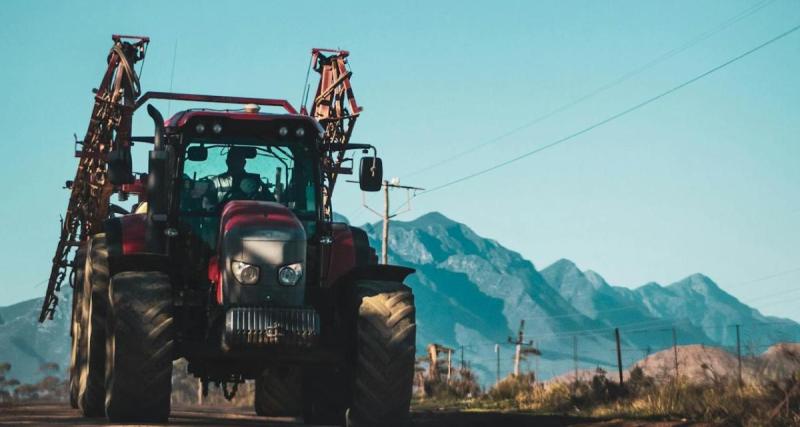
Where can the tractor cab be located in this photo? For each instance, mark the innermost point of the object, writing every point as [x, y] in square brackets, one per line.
[234, 157]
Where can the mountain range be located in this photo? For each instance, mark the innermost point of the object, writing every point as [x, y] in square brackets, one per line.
[472, 294]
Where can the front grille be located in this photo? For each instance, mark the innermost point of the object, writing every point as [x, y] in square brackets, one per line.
[271, 325]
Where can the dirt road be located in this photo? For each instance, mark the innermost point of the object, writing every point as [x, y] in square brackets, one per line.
[55, 415]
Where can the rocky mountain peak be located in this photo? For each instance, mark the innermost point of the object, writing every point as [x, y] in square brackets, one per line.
[595, 279]
[698, 283]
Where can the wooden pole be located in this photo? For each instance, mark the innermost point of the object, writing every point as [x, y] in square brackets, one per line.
[385, 237]
[739, 355]
[449, 364]
[675, 350]
[575, 355]
[619, 355]
[497, 372]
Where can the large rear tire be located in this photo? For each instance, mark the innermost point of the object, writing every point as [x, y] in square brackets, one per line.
[94, 305]
[139, 348]
[279, 393]
[78, 347]
[383, 366]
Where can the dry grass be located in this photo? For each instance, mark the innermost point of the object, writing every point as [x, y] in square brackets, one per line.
[722, 401]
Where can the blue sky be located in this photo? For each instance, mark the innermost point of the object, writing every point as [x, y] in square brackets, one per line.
[705, 180]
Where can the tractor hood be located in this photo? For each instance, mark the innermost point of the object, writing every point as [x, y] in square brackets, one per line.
[258, 240]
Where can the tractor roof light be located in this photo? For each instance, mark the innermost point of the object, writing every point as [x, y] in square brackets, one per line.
[217, 128]
[200, 128]
[300, 132]
[251, 108]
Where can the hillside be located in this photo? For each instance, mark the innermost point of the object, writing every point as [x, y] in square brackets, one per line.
[27, 344]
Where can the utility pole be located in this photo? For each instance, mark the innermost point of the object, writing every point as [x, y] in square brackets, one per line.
[385, 215]
[619, 355]
[675, 350]
[462, 359]
[520, 342]
[739, 354]
[575, 356]
[385, 234]
[497, 372]
[449, 364]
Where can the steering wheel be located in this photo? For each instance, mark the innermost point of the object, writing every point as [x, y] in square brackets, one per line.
[248, 189]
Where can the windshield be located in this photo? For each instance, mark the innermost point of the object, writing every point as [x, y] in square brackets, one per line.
[218, 171]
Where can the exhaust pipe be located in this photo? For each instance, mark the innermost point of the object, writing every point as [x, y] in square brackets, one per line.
[157, 190]
[158, 121]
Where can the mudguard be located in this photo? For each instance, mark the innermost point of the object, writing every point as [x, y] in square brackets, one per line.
[125, 239]
[391, 273]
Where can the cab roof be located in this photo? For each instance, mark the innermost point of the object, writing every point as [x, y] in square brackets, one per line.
[180, 118]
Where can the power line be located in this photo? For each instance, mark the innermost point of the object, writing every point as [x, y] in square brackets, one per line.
[782, 293]
[616, 82]
[771, 276]
[615, 116]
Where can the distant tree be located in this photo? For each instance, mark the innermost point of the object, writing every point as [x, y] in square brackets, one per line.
[52, 386]
[48, 367]
[638, 382]
[6, 384]
[26, 392]
[604, 390]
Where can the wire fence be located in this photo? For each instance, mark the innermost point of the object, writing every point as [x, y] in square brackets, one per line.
[662, 349]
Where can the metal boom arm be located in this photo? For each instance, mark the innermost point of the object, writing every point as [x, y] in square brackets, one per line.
[109, 129]
[335, 107]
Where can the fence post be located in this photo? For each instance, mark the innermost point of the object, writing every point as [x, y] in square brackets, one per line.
[675, 350]
[739, 354]
[575, 356]
[619, 355]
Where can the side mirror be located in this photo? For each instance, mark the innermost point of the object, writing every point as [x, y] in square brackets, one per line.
[370, 174]
[197, 153]
[120, 169]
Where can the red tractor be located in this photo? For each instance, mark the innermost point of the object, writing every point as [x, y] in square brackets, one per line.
[230, 259]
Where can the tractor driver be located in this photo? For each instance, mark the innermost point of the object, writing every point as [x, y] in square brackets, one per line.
[236, 183]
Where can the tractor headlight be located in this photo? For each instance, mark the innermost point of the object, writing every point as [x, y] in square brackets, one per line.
[246, 274]
[283, 131]
[289, 275]
[217, 128]
[200, 128]
[300, 132]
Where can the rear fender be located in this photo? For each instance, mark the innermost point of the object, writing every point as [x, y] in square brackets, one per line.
[138, 262]
[125, 239]
[125, 235]
[390, 273]
[343, 287]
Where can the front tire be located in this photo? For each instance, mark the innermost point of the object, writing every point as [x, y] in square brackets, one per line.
[383, 370]
[139, 348]
[94, 305]
[78, 348]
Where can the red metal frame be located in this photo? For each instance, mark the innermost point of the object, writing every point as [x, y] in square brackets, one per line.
[215, 98]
